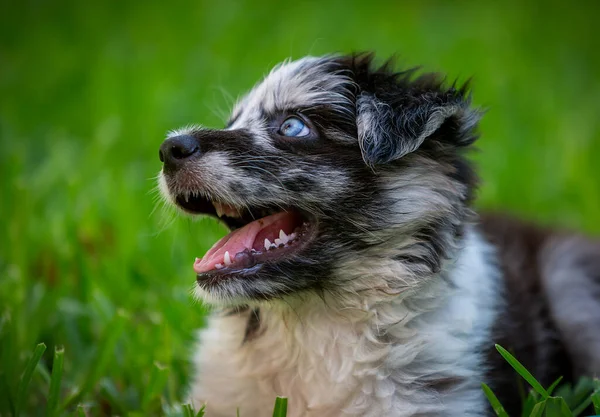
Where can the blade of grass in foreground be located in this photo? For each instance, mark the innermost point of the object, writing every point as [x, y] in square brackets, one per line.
[494, 402]
[557, 407]
[530, 402]
[596, 396]
[280, 409]
[55, 381]
[581, 407]
[538, 409]
[202, 410]
[554, 385]
[26, 379]
[522, 371]
[589, 399]
[188, 411]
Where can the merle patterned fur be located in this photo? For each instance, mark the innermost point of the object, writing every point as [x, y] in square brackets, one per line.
[394, 305]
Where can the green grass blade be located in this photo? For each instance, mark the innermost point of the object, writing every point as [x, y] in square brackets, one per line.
[280, 409]
[80, 411]
[552, 387]
[538, 409]
[26, 379]
[557, 407]
[521, 370]
[596, 396]
[105, 352]
[596, 402]
[202, 410]
[188, 410]
[581, 392]
[494, 402]
[158, 380]
[55, 381]
[530, 402]
[581, 407]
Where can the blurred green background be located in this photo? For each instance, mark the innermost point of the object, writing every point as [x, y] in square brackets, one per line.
[89, 89]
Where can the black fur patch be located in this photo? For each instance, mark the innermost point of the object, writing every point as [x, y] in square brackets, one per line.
[524, 327]
[401, 110]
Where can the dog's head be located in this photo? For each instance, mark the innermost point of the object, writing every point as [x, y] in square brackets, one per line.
[333, 175]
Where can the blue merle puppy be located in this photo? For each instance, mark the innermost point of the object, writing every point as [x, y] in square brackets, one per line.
[356, 279]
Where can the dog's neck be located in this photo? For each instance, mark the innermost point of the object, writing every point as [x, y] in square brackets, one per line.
[408, 348]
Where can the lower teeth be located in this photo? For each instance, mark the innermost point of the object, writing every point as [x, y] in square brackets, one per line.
[246, 258]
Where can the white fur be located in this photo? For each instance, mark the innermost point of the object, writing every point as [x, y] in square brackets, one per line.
[293, 84]
[369, 355]
[290, 85]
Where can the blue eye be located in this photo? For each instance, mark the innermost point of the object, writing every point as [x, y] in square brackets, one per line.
[294, 127]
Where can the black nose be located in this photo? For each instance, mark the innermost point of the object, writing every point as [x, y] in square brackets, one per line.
[174, 151]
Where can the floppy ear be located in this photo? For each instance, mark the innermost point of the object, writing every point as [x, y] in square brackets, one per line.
[389, 129]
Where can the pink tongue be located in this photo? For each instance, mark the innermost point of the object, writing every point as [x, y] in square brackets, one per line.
[246, 238]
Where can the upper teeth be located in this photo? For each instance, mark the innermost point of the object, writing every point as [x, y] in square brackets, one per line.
[224, 209]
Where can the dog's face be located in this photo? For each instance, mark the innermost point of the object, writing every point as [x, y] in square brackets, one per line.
[328, 171]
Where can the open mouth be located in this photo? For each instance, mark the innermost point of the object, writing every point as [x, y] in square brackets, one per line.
[258, 236]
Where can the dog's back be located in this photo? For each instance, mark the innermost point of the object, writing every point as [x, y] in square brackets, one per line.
[551, 317]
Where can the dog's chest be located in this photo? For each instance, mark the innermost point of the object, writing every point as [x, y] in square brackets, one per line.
[331, 368]
[405, 358]
[321, 364]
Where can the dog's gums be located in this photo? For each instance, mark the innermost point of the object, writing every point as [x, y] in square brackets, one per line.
[250, 242]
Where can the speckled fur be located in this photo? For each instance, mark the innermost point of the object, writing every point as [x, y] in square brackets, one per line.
[394, 306]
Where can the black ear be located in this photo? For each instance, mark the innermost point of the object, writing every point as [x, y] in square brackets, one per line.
[396, 113]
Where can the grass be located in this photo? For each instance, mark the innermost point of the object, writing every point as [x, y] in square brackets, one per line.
[571, 402]
[87, 92]
[539, 402]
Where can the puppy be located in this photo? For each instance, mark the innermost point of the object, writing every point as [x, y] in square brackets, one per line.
[356, 279]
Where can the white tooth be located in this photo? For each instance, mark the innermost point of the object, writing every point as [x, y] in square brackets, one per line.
[278, 242]
[292, 236]
[273, 246]
[227, 258]
[196, 260]
[283, 237]
[218, 266]
[267, 244]
[218, 209]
